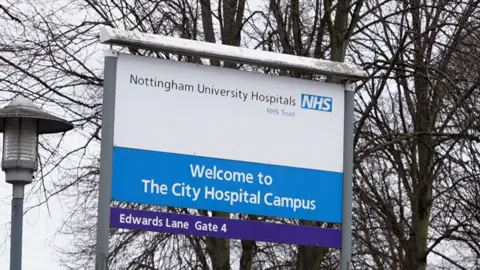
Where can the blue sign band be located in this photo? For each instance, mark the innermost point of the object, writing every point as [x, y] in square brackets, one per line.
[176, 180]
[225, 228]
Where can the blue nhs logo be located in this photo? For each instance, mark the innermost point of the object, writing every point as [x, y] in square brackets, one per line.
[317, 103]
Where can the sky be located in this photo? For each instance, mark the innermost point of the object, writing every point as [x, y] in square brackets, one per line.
[39, 231]
[41, 224]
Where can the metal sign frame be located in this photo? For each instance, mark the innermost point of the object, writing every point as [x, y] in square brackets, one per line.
[347, 73]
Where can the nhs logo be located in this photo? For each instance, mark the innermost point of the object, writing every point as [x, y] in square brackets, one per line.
[317, 103]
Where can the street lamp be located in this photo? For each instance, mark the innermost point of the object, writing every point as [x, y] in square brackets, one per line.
[21, 122]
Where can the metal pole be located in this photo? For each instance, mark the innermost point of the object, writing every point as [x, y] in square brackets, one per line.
[346, 250]
[17, 227]
[106, 159]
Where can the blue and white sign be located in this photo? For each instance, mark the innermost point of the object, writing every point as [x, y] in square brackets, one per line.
[217, 139]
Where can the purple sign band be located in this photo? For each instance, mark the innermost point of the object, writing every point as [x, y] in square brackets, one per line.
[224, 228]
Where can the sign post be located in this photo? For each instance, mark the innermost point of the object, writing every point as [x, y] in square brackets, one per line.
[185, 135]
[346, 249]
[106, 160]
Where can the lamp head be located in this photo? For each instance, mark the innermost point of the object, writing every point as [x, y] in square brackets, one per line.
[21, 122]
[22, 107]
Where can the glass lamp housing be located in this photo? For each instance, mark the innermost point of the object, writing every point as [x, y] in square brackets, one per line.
[20, 144]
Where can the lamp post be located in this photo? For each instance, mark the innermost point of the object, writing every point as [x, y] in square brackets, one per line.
[21, 122]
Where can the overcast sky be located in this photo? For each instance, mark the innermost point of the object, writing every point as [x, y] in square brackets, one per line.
[40, 237]
[39, 231]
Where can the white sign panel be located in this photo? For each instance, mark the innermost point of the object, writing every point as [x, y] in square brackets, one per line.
[219, 139]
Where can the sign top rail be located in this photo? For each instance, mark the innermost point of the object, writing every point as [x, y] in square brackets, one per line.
[141, 40]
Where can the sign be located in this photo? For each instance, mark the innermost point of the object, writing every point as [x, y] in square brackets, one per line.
[195, 136]
[224, 228]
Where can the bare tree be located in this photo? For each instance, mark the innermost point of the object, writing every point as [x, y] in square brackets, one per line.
[411, 144]
[416, 170]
